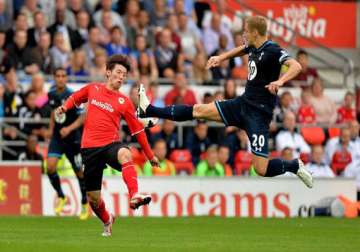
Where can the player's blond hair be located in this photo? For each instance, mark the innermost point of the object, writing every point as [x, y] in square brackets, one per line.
[257, 23]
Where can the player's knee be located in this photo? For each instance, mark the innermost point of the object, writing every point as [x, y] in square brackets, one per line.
[260, 167]
[93, 198]
[124, 155]
[51, 166]
[80, 174]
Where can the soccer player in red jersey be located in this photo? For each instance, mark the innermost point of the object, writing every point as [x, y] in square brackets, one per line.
[100, 140]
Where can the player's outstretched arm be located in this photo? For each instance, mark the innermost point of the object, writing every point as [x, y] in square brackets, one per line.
[216, 60]
[293, 70]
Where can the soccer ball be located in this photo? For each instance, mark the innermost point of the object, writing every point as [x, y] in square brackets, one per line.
[149, 122]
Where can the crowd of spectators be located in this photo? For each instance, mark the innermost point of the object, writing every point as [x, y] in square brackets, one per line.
[163, 39]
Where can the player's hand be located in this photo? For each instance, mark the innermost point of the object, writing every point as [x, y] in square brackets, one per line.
[214, 61]
[274, 86]
[60, 110]
[155, 162]
[65, 131]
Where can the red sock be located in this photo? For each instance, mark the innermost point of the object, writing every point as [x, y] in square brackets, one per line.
[101, 211]
[130, 177]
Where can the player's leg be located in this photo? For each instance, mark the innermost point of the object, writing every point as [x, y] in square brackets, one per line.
[93, 171]
[121, 154]
[54, 153]
[74, 156]
[178, 112]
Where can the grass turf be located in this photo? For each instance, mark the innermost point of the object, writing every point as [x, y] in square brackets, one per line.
[19, 234]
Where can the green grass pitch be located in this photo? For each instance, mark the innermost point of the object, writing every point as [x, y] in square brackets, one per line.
[20, 234]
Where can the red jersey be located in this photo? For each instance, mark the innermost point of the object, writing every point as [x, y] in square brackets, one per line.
[104, 112]
[346, 115]
[306, 114]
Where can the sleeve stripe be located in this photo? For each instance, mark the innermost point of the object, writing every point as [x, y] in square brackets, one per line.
[137, 132]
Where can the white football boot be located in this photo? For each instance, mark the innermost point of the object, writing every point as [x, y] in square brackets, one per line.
[305, 175]
[108, 227]
[143, 101]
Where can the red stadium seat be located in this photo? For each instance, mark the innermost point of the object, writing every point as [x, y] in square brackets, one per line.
[243, 160]
[305, 157]
[313, 135]
[275, 154]
[340, 160]
[334, 132]
[182, 160]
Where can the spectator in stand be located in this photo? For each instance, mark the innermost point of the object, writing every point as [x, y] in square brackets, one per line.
[236, 141]
[72, 38]
[166, 167]
[286, 104]
[230, 89]
[347, 112]
[287, 154]
[172, 24]
[59, 53]
[98, 71]
[306, 113]
[2, 45]
[2, 91]
[212, 34]
[20, 25]
[105, 28]
[115, 17]
[197, 141]
[91, 46]
[225, 21]
[223, 155]
[29, 9]
[6, 20]
[83, 24]
[352, 170]
[325, 108]
[307, 74]
[338, 144]
[131, 14]
[239, 68]
[142, 29]
[167, 58]
[69, 17]
[317, 167]
[190, 42]
[210, 167]
[158, 13]
[30, 154]
[169, 134]
[146, 66]
[223, 71]
[156, 100]
[76, 6]
[13, 97]
[355, 139]
[18, 54]
[199, 72]
[30, 111]
[289, 138]
[41, 56]
[180, 93]
[40, 26]
[78, 65]
[38, 87]
[187, 7]
[117, 44]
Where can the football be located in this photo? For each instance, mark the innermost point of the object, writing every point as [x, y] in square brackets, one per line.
[149, 121]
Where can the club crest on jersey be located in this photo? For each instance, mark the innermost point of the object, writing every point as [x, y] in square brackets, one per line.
[252, 70]
[121, 100]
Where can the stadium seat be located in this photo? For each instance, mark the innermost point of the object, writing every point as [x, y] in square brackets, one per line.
[334, 132]
[182, 160]
[275, 154]
[305, 157]
[313, 135]
[243, 161]
[340, 160]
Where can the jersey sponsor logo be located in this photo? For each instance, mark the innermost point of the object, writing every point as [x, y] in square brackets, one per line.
[252, 70]
[121, 100]
[102, 105]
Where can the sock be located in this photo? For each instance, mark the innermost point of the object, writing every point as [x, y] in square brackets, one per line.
[83, 190]
[55, 182]
[175, 112]
[278, 166]
[130, 177]
[100, 211]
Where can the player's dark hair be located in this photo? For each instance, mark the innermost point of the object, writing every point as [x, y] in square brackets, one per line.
[118, 59]
[301, 52]
[257, 23]
[58, 69]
